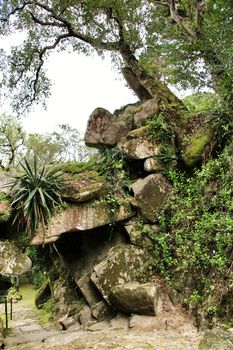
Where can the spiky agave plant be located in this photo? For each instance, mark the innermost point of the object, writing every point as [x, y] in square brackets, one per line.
[34, 196]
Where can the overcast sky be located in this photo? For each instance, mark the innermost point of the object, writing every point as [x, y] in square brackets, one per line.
[80, 84]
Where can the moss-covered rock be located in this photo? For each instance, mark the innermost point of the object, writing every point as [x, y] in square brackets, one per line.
[136, 298]
[82, 187]
[136, 145]
[122, 264]
[82, 217]
[137, 232]
[195, 150]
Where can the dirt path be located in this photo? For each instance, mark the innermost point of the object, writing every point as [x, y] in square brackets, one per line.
[27, 333]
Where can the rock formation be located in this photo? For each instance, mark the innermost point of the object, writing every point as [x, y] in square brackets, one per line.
[102, 238]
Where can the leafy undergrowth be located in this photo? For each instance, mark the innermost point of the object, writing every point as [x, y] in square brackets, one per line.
[194, 248]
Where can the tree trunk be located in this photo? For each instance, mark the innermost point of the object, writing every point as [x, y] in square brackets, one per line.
[154, 87]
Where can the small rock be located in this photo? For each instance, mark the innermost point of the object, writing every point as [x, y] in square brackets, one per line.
[121, 321]
[153, 164]
[68, 321]
[85, 315]
[101, 310]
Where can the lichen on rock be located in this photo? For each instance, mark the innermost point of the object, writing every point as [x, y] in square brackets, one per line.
[151, 194]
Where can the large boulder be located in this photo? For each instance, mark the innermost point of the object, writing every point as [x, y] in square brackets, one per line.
[98, 122]
[82, 187]
[136, 298]
[12, 260]
[146, 111]
[122, 264]
[120, 127]
[106, 128]
[137, 145]
[151, 194]
[82, 217]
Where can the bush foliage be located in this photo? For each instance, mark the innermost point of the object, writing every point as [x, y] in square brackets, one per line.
[197, 235]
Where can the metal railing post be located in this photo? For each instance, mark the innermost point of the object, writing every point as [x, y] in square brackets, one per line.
[6, 315]
[11, 309]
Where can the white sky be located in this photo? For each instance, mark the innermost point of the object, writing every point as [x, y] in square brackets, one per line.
[80, 84]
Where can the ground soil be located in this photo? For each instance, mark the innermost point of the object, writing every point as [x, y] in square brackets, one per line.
[173, 329]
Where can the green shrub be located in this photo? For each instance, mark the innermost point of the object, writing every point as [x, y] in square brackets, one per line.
[196, 235]
[112, 166]
[34, 196]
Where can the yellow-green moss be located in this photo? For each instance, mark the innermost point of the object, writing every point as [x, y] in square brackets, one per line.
[138, 133]
[196, 147]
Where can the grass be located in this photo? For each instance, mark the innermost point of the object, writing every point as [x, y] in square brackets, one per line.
[28, 291]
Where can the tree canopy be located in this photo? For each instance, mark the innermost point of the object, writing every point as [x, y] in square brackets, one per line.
[185, 42]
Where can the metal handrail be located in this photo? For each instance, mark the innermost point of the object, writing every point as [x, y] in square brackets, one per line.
[5, 300]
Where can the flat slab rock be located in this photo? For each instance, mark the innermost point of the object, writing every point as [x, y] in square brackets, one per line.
[82, 217]
[121, 265]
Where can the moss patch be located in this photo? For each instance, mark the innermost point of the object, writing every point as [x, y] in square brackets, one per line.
[138, 133]
[196, 147]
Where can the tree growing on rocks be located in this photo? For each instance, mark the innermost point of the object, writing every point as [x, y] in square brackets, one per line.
[181, 41]
[114, 26]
